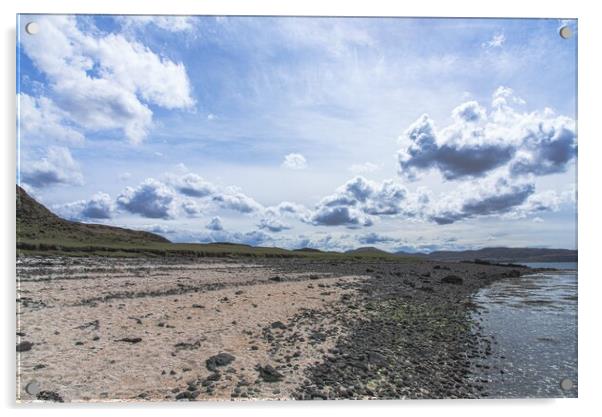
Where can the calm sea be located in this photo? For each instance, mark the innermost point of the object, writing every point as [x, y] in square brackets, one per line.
[531, 322]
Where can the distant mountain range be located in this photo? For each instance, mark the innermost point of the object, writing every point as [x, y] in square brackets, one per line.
[498, 254]
[502, 254]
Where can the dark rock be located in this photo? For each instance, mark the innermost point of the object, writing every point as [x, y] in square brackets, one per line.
[376, 358]
[187, 395]
[49, 396]
[94, 325]
[278, 325]
[197, 306]
[187, 346]
[130, 340]
[452, 279]
[214, 377]
[221, 359]
[276, 278]
[269, 374]
[24, 346]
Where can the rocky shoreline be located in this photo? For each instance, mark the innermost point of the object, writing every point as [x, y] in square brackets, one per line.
[411, 335]
[274, 329]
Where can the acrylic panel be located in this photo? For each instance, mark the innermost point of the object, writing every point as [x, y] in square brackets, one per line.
[295, 208]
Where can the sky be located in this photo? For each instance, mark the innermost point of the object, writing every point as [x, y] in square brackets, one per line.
[331, 133]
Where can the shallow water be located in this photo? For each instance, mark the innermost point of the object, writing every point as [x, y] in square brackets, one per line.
[531, 322]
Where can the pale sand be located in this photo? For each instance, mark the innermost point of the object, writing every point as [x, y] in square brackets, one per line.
[52, 316]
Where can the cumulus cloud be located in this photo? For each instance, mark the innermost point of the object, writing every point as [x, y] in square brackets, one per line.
[340, 216]
[463, 152]
[272, 224]
[355, 202]
[99, 206]
[193, 208]
[192, 185]
[374, 238]
[494, 196]
[388, 199]
[215, 224]
[41, 119]
[105, 81]
[540, 202]
[294, 161]
[151, 199]
[157, 228]
[479, 141]
[287, 208]
[235, 200]
[253, 238]
[57, 167]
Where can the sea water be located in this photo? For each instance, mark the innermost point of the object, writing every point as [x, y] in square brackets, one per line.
[531, 322]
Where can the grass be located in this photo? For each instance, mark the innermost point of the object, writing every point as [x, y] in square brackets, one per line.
[66, 247]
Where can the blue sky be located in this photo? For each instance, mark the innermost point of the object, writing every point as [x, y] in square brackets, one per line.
[405, 134]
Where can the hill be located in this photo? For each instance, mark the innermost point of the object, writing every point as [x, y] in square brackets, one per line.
[501, 254]
[368, 250]
[37, 226]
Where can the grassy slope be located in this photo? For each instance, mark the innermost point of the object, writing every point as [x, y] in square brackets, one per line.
[39, 231]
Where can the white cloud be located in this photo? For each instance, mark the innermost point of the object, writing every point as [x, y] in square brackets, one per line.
[496, 41]
[99, 206]
[294, 161]
[40, 119]
[193, 208]
[272, 224]
[493, 196]
[157, 228]
[215, 224]
[105, 82]
[192, 185]
[151, 199]
[168, 23]
[340, 216]
[237, 201]
[478, 142]
[58, 167]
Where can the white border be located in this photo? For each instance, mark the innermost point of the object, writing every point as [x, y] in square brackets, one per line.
[590, 34]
